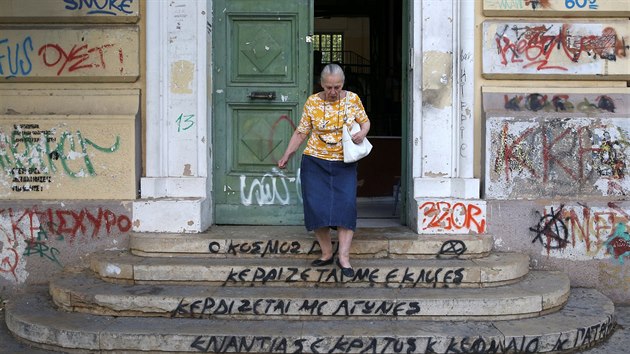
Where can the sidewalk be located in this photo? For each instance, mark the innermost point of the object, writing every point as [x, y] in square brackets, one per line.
[617, 344]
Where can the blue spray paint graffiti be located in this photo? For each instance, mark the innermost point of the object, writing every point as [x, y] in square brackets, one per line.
[15, 57]
[100, 7]
[619, 243]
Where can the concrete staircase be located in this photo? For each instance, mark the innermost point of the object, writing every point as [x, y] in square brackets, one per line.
[252, 289]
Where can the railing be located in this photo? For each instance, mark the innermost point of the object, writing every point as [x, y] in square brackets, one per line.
[357, 63]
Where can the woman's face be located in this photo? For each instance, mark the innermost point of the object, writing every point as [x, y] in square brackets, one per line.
[332, 85]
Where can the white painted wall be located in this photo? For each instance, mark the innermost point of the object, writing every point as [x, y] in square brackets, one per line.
[175, 190]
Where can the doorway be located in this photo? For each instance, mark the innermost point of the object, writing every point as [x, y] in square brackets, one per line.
[365, 37]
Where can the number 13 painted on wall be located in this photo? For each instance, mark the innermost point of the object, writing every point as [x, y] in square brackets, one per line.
[188, 121]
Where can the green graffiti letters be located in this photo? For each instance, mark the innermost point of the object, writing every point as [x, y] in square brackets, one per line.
[44, 152]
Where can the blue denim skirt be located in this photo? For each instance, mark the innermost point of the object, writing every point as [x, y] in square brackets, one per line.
[329, 192]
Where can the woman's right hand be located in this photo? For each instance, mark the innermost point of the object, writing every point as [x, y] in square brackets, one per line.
[282, 163]
[296, 140]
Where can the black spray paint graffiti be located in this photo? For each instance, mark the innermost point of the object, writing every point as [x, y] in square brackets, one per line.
[406, 277]
[264, 248]
[452, 248]
[551, 231]
[268, 344]
[211, 307]
[258, 247]
[583, 337]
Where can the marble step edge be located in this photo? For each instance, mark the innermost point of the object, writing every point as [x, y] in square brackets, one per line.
[495, 270]
[274, 241]
[538, 293]
[587, 319]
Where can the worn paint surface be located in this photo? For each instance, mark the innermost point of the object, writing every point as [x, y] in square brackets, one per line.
[38, 241]
[577, 237]
[547, 156]
[68, 158]
[561, 48]
[182, 73]
[68, 144]
[581, 232]
[437, 80]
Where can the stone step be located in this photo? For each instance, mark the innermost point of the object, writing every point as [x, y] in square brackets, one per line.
[294, 241]
[536, 294]
[494, 270]
[587, 319]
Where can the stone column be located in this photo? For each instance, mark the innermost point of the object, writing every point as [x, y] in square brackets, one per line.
[175, 189]
[445, 190]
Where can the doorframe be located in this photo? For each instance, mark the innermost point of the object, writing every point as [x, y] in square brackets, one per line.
[411, 72]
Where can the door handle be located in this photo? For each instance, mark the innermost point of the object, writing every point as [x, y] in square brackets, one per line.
[262, 95]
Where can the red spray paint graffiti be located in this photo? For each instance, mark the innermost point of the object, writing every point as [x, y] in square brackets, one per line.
[533, 46]
[43, 232]
[77, 58]
[561, 153]
[583, 232]
[447, 216]
[64, 224]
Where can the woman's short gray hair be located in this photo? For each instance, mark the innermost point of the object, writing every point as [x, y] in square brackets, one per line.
[332, 69]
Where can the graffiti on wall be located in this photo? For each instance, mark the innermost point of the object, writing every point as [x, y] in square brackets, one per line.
[609, 102]
[581, 232]
[618, 245]
[44, 233]
[274, 188]
[77, 53]
[30, 155]
[542, 4]
[557, 156]
[17, 58]
[555, 47]
[101, 7]
[449, 216]
[564, 103]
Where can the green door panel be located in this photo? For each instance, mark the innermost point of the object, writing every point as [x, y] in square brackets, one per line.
[262, 74]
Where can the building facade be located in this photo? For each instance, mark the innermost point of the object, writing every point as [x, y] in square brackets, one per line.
[509, 118]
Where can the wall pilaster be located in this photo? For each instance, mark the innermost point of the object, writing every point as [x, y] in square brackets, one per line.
[443, 121]
[175, 188]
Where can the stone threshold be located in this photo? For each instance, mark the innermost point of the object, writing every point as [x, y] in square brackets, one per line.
[294, 241]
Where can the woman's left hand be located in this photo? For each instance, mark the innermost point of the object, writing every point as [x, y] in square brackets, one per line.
[358, 137]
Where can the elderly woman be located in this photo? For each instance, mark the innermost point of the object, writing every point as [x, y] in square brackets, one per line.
[329, 186]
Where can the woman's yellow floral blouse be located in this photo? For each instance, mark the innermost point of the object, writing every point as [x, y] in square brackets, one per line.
[324, 119]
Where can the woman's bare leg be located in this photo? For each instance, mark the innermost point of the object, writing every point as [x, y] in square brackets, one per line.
[325, 243]
[345, 240]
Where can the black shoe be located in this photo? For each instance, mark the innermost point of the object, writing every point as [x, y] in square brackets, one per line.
[322, 262]
[347, 272]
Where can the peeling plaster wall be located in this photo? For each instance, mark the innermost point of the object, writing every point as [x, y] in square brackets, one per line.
[556, 136]
[437, 83]
[70, 100]
[71, 87]
[582, 238]
[37, 240]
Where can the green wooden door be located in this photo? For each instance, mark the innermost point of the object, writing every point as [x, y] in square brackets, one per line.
[262, 76]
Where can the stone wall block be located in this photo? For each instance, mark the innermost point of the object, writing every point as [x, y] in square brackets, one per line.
[557, 8]
[556, 49]
[69, 54]
[76, 11]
